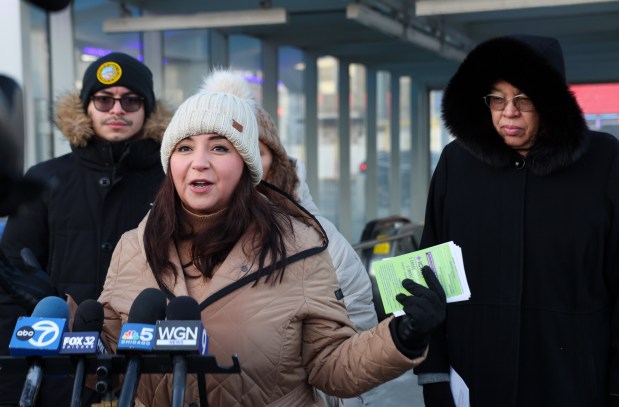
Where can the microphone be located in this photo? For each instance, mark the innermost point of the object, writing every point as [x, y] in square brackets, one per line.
[53, 5]
[84, 340]
[38, 335]
[180, 334]
[137, 336]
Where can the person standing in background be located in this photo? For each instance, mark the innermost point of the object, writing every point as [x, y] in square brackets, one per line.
[99, 190]
[531, 195]
[288, 174]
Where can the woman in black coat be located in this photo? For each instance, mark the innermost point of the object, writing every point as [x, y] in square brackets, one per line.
[532, 198]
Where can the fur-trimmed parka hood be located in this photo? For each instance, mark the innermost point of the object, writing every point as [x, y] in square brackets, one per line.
[534, 65]
[77, 126]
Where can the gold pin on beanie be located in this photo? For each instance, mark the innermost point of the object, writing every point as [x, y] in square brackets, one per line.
[224, 105]
[118, 69]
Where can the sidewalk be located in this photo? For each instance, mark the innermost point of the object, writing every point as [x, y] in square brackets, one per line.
[401, 391]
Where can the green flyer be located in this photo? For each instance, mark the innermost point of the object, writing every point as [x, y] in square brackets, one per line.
[446, 261]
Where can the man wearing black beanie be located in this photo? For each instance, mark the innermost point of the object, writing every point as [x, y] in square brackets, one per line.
[118, 69]
[95, 193]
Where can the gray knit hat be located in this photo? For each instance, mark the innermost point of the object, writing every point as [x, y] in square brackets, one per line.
[224, 105]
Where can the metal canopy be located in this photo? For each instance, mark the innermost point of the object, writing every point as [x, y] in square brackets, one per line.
[429, 44]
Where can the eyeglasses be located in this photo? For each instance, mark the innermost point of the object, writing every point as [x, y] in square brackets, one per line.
[499, 103]
[129, 104]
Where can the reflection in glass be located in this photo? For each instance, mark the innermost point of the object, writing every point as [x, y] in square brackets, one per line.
[328, 140]
[439, 135]
[358, 148]
[246, 57]
[185, 63]
[383, 141]
[40, 85]
[291, 96]
[91, 42]
[405, 145]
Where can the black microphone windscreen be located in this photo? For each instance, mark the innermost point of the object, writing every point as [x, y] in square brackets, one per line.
[148, 307]
[183, 308]
[88, 317]
[51, 5]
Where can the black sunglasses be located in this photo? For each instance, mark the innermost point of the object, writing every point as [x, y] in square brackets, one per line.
[129, 104]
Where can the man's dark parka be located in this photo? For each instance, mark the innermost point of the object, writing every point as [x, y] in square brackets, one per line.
[539, 238]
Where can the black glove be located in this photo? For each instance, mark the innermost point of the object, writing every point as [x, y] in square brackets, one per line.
[438, 395]
[25, 288]
[425, 310]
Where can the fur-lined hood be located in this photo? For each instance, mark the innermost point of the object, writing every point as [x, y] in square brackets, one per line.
[77, 126]
[535, 66]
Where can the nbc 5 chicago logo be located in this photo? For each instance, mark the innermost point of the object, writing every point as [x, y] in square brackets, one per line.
[40, 334]
[140, 335]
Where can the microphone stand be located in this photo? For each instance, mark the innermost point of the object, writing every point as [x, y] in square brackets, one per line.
[202, 390]
[179, 381]
[31, 386]
[105, 366]
[132, 379]
[78, 384]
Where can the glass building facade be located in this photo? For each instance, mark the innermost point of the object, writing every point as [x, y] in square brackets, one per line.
[369, 138]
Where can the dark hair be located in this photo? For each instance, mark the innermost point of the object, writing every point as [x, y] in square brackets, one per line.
[283, 174]
[255, 207]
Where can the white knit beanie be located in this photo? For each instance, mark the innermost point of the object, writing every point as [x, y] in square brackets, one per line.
[224, 105]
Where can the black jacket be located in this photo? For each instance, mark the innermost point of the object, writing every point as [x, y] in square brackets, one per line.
[539, 238]
[97, 192]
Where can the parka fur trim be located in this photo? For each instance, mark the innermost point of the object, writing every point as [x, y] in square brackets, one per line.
[76, 126]
[535, 66]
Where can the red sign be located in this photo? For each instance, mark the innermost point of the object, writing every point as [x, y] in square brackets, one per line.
[597, 98]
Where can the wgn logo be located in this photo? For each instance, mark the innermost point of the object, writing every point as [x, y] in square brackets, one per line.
[181, 336]
[177, 335]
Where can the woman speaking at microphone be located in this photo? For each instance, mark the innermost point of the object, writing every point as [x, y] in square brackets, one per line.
[214, 224]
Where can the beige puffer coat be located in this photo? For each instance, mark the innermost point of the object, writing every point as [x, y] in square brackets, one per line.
[289, 338]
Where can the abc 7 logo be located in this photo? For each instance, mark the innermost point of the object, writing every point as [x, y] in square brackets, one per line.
[49, 332]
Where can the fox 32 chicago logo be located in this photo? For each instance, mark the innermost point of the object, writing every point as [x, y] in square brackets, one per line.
[40, 334]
